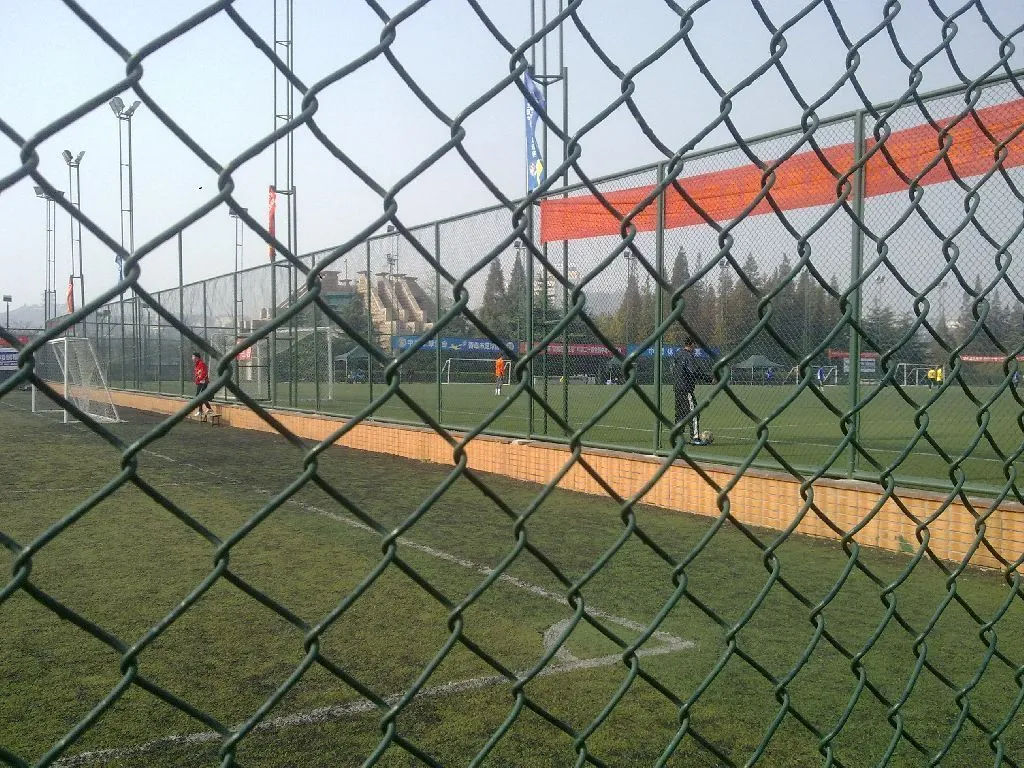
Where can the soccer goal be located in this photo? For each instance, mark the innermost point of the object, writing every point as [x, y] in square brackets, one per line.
[472, 370]
[912, 373]
[824, 374]
[71, 366]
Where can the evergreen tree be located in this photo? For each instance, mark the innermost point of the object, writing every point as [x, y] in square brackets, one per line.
[495, 311]
[518, 296]
[741, 303]
[680, 276]
[704, 303]
[720, 337]
[647, 310]
[627, 324]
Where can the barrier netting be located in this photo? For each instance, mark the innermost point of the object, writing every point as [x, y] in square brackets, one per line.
[851, 291]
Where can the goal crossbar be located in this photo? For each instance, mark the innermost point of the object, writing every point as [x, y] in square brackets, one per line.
[473, 370]
[70, 363]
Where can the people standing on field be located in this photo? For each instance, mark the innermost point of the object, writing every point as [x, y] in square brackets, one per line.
[499, 374]
[201, 377]
[931, 378]
[686, 376]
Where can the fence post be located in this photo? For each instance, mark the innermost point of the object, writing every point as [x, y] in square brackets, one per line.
[124, 351]
[316, 358]
[206, 331]
[529, 320]
[369, 321]
[159, 355]
[272, 361]
[659, 302]
[856, 265]
[181, 315]
[437, 317]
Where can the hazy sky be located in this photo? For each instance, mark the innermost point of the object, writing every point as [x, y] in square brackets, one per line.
[219, 87]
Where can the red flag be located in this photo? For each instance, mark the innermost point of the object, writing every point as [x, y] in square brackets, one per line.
[272, 228]
[71, 294]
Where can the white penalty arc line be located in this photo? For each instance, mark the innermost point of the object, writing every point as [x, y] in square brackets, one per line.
[361, 706]
[664, 643]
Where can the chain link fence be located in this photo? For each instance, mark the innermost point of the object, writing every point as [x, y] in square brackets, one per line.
[851, 288]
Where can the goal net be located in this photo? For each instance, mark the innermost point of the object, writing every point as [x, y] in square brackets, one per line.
[823, 374]
[70, 365]
[473, 370]
[911, 374]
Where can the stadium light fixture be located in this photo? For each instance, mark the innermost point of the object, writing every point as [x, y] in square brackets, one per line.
[124, 120]
[7, 301]
[75, 186]
[43, 194]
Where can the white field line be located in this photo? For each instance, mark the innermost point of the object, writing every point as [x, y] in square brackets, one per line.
[360, 706]
[567, 662]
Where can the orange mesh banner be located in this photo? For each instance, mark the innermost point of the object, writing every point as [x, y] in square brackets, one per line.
[802, 181]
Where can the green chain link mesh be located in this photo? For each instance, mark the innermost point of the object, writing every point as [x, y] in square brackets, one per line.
[824, 322]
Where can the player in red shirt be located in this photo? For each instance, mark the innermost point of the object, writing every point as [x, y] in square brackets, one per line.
[201, 376]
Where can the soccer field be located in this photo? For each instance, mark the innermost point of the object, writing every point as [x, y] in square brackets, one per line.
[893, 437]
[405, 617]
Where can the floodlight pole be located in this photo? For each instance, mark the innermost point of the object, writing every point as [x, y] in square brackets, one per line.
[75, 195]
[124, 126]
[50, 292]
[284, 184]
[7, 301]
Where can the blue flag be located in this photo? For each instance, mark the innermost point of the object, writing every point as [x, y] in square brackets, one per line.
[535, 171]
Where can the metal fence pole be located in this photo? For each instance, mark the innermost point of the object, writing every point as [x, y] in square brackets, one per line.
[530, 288]
[659, 303]
[181, 314]
[124, 351]
[437, 317]
[272, 361]
[206, 331]
[856, 267]
[369, 321]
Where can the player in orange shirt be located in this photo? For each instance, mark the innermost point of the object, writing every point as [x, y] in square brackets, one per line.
[499, 374]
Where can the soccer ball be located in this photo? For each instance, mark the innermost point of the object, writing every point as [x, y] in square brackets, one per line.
[707, 436]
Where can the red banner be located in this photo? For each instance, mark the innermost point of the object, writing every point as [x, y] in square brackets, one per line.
[802, 181]
[987, 358]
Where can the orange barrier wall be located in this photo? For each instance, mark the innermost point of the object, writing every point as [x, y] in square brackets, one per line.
[802, 181]
[760, 498]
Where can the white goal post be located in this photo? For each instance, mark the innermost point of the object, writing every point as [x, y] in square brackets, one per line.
[912, 373]
[473, 370]
[71, 366]
[822, 375]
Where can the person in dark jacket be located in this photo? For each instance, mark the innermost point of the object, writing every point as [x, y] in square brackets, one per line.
[688, 374]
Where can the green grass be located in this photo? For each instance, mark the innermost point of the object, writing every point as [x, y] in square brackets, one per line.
[803, 432]
[128, 562]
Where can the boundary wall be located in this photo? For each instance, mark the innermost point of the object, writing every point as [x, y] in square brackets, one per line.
[759, 498]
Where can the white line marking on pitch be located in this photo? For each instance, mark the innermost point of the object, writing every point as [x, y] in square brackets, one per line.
[362, 706]
[663, 643]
